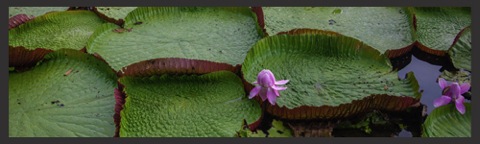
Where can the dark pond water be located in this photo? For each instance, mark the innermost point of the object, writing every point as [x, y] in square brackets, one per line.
[426, 75]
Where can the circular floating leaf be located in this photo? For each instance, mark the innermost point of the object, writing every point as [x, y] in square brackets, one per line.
[330, 76]
[56, 30]
[461, 51]
[34, 11]
[210, 105]
[215, 34]
[384, 28]
[437, 27]
[446, 121]
[70, 94]
[114, 14]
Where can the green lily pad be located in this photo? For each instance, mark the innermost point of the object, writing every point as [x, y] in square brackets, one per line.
[34, 11]
[214, 34]
[446, 121]
[114, 14]
[56, 30]
[70, 94]
[438, 27]
[210, 105]
[384, 28]
[279, 130]
[461, 51]
[332, 74]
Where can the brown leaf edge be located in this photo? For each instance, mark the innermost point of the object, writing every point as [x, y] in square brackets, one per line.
[22, 58]
[118, 22]
[258, 11]
[161, 66]
[119, 102]
[18, 20]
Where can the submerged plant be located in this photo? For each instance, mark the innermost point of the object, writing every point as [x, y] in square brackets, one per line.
[452, 91]
[267, 87]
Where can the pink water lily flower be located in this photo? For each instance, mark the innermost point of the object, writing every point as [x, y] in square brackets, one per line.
[452, 92]
[267, 87]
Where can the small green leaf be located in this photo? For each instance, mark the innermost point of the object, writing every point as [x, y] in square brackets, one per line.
[461, 51]
[279, 130]
[446, 121]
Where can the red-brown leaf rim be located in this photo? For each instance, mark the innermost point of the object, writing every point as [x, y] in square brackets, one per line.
[382, 102]
[260, 19]
[20, 57]
[119, 102]
[18, 20]
[173, 66]
[118, 22]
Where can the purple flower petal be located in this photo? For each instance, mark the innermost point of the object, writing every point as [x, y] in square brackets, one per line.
[464, 88]
[263, 94]
[442, 83]
[271, 96]
[455, 89]
[270, 77]
[255, 82]
[268, 72]
[254, 91]
[281, 82]
[459, 104]
[441, 101]
[279, 88]
[265, 78]
[276, 92]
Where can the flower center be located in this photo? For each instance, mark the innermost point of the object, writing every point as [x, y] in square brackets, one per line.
[447, 91]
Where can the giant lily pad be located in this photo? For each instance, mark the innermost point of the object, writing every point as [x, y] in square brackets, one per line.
[384, 28]
[446, 121]
[114, 14]
[33, 11]
[214, 34]
[461, 51]
[437, 28]
[210, 105]
[330, 75]
[56, 30]
[70, 94]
